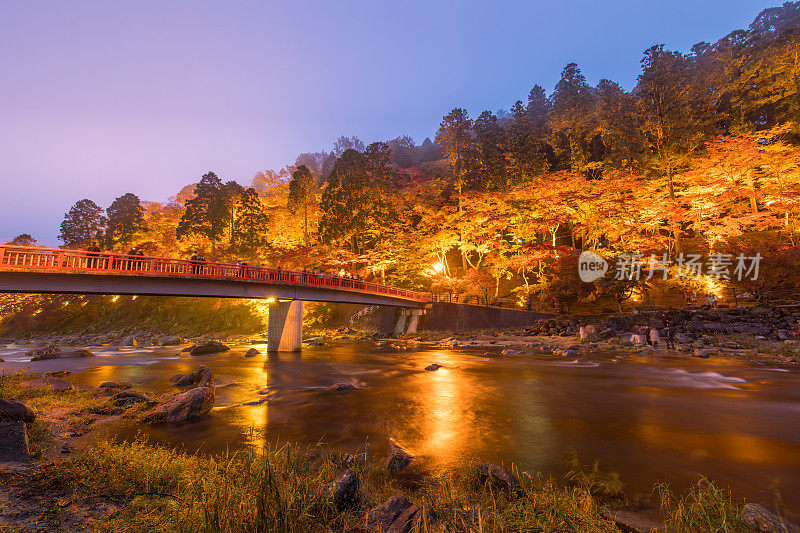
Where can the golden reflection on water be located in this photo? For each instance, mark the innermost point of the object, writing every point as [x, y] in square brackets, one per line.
[444, 403]
[255, 417]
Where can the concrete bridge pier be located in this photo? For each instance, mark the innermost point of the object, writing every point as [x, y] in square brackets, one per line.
[285, 326]
[407, 321]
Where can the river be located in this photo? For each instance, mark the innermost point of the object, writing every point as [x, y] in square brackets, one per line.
[648, 418]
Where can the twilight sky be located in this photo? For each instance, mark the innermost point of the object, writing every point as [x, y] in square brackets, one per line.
[98, 99]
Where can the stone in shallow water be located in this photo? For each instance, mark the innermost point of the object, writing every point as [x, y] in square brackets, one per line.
[128, 397]
[57, 353]
[339, 387]
[183, 407]
[397, 458]
[252, 352]
[434, 366]
[13, 443]
[208, 348]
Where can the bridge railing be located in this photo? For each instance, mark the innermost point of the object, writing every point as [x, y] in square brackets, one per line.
[26, 258]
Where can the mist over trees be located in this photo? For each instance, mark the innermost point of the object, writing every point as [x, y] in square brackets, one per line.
[700, 156]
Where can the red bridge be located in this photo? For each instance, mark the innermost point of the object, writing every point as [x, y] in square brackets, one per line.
[45, 270]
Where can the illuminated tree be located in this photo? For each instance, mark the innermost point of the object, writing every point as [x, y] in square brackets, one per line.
[125, 219]
[82, 225]
[302, 194]
[251, 223]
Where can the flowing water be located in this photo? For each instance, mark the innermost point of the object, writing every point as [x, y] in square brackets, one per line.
[648, 418]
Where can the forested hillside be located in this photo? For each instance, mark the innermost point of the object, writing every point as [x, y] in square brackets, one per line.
[701, 156]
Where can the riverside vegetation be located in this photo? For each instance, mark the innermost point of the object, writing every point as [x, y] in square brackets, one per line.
[139, 486]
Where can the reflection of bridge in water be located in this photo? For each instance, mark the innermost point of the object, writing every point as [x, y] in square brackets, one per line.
[53, 271]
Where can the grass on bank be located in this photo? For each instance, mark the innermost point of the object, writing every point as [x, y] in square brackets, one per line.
[283, 489]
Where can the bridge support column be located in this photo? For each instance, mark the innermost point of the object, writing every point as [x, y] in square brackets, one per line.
[412, 323]
[285, 327]
[400, 327]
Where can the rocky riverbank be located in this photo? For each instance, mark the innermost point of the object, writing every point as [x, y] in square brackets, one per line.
[64, 483]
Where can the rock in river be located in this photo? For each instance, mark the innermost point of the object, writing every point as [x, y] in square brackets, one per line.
[397, 458]
[128, 397]
[170, 340]
[13, 410]
[183, 407]
[201, 377]
[252, 352]
[54, 352]
[434, 366]
[208, 348]
[13, 442]
[342, 387]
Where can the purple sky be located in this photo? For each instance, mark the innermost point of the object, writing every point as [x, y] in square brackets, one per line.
[97, 100]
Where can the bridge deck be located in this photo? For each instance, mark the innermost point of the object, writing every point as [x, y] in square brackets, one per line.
[46, 270]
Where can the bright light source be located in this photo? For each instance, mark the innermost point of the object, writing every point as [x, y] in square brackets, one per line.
[135, 296]
[271, 300]
[115, 298]
[438, 267]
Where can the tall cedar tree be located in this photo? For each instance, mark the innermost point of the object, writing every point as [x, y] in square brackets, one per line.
[82, 225]
[125, 219]
[210, 213]
[302, 193]
[251, 224]
[353, 206]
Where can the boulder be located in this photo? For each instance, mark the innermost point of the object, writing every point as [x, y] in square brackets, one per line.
[344, 490]
[58, 353]
[397, 458]
[380, 518]
[631, 522]
[702, 353]
[208, 348]
[500, 478]
[129, 397]
[342, 387]
[51, 384]
[202, 377]
[252, 352]
[13, 442]
[13, 410]
[763, 520]
[170, 340]
[414, 520]
[433, 366]
[183, 407]
[680, 337]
